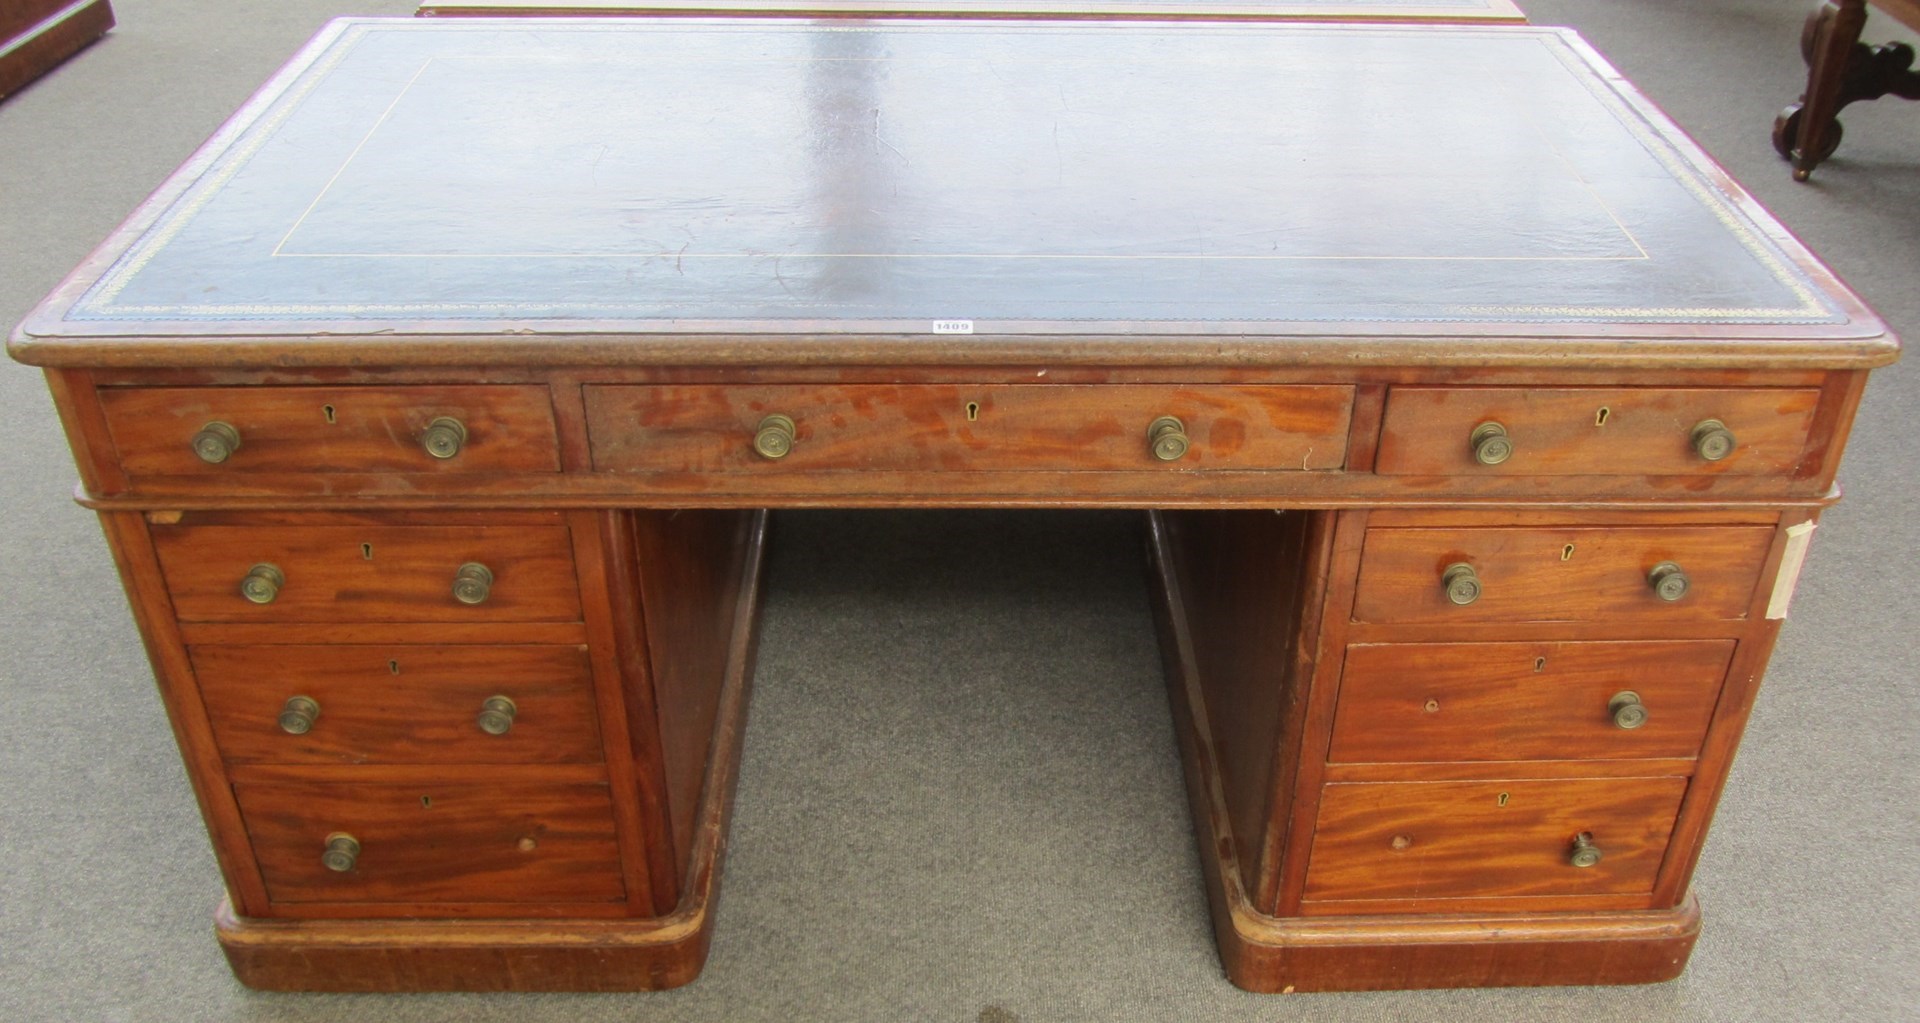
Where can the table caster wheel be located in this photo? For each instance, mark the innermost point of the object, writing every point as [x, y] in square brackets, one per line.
[1786, 131]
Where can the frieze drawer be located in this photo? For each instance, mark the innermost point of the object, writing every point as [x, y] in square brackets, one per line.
[188, 431]
[958, 427]
[1595, 431]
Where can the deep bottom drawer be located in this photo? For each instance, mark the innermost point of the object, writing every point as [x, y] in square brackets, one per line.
[467, 841]
[1482, 839]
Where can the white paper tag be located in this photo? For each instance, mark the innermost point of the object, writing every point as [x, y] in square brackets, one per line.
[953, 326]
[1798, 537]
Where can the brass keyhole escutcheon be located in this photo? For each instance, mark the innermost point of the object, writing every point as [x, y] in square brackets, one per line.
[1167, 437]
[1566, 553]
[444, 437]
[1600, 418]
[366, 552]
[1669, 582]
[473, 583]
[773, 438]
[1584, 853]
[394, 667]
[328, 412]
[299, 714]
[262, 583]
[1490, 444]
[973, 412]
[1502, 798]
[1627, 710]
[496, 715]
[1460, 583]
[342, 852]
[1712, 440]
[216, 442]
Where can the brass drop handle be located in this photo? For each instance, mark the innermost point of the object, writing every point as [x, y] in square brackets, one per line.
[1461, 583]
[773, 438]
[298, 716]
[1490, 444]
[1627, 710]
[1712, 440]
[342, 852]
[496, 715]
[1669, 582]
[263, 583]
[1167, 436]
[216, 442]
[473, 583]
[1584, 853]
[444, 437]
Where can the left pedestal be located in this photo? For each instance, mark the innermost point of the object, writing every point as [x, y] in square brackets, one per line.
[446, 750]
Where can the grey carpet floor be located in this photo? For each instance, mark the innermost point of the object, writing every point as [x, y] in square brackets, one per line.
[960, 797]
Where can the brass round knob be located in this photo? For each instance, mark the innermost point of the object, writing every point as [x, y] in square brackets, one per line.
[473, 583]
[263, 583]
[1668, 581]
[1627, 710]
[216, 442]
[496, 715]
[773, 438]
[1584, 853]
[444, 437]
[298, 716]
[1712, 440]
[1167, 436]
[1490, 444]
[342, 852]
[1461, 583]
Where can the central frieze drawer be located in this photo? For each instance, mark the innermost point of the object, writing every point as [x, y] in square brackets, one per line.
[1575, 574]
[1414, 702]
[425, 428]
[466, 841]
[1479, 839]
[399, 704]
[954, 427]
[371, 573]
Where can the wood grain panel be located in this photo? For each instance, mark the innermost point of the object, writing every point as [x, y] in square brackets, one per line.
[332, 429]
[460, 841]
[1639, 431]
[36, 35]
[1524, 701]
[400, 704]
[408, 577]
[1573, 574]
[937, 427]
[1479, 839]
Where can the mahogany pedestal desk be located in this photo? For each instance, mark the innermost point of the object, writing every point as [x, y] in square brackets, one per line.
[431, 410]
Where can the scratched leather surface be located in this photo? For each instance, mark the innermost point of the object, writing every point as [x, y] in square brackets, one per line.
[710, 173]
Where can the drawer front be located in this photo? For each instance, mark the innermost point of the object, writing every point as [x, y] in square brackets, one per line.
[1412, 702]
[1428, 431]
[966, 428]
[499, 841]
[1443, 840]
[400, 704]
[368, 573]
[333, 429]
[1559, 575]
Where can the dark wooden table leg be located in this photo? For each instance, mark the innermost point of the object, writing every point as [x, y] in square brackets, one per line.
[1840, 70]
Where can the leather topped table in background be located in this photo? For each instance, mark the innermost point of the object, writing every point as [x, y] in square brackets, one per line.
[431, 409]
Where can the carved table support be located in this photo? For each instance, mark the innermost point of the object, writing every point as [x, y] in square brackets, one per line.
[1840, 70]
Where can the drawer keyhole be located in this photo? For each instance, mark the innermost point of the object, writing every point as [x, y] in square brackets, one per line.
[973, 412]
[1566, 553]
[426, 802]
[1600, 417]
[1504, 796]
[1539, 664]
[327, 410]
[366, 551]
[393, 666]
